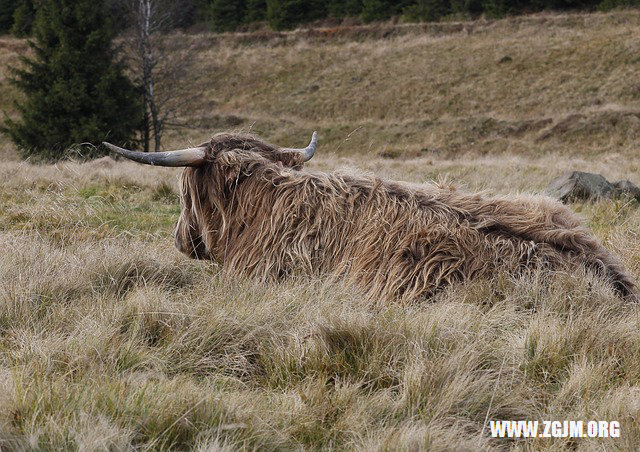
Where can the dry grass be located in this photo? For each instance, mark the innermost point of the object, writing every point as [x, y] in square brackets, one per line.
[568, 86]
[532, 85]
[110, 339]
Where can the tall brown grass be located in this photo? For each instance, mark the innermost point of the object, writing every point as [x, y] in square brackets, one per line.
[109, 338]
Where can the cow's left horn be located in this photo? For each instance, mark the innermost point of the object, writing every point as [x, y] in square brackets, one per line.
[309, 150]
[182, 157]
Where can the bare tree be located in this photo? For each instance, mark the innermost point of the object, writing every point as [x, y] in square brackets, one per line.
[160, 63]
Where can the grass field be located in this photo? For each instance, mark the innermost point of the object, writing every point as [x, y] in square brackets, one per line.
[110, 339]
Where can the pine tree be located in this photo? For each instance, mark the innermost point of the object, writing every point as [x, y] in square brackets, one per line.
[226, 15]
[256, 11]
[7, 7]
[74, 90]
[430, 10]
[283, 14]
[23, 16]
[384, 9]
[344, 8]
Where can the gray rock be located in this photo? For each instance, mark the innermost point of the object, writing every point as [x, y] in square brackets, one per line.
[628, 188]
[576, 185]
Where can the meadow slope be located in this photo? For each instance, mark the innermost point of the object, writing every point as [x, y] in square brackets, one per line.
[109, 338]
[528, 85]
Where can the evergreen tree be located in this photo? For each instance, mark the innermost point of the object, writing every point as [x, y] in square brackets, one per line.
[606, 5]
[283, 14]
[375, 10]
[384, 9]
[74, 91]
[344, 8]
[427, 10]
[256, 11]
[7, 7]
[226, 15]
[472, 8]
[23, 17]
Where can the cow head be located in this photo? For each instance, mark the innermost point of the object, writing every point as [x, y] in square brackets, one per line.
[213, 172]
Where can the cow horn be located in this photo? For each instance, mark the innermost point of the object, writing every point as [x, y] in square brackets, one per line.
[309, 150]
[182, 157]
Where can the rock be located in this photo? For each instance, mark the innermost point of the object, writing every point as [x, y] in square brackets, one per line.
[576, 185]
[628, 188]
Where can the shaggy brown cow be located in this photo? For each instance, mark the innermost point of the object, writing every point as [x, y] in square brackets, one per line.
[252, 207]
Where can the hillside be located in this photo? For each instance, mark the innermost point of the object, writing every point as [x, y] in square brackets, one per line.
[534, 85]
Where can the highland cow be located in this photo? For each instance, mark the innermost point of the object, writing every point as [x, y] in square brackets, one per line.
[253, 207]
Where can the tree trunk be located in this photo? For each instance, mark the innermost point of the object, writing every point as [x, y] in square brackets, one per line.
[151, 107]
[146, 126]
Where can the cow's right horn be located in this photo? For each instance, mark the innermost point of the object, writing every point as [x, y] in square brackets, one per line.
[182, 157]
[309, 150]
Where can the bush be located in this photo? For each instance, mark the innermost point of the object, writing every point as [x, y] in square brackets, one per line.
[74, 91]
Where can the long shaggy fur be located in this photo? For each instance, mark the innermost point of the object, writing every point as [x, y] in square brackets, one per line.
[255, 210]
